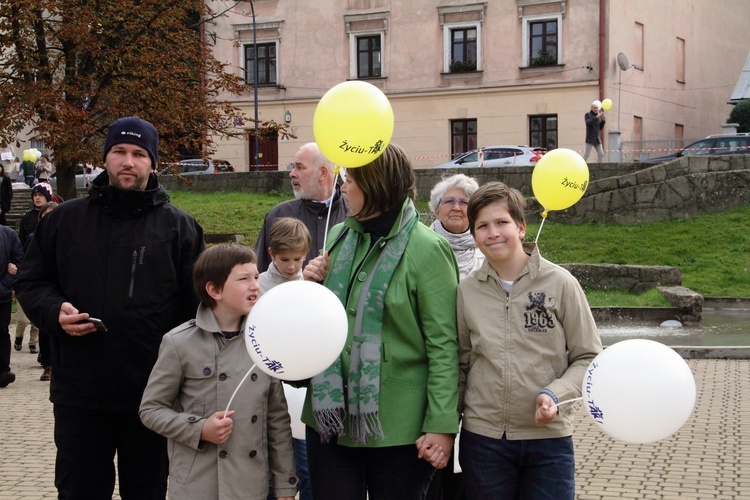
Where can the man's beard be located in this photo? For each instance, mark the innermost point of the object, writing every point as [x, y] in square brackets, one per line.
[308, 192]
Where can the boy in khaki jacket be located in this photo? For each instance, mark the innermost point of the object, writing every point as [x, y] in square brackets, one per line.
[200, 364]
[526, 338]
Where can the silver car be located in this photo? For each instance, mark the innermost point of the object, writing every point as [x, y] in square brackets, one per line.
[83, 179]
[497, 156]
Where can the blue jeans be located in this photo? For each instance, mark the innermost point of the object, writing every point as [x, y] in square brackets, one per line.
[389, 473]
[303, 474]
[529, 469]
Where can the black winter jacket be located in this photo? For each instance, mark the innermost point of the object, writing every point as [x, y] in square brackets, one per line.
[593, 126]
[124, 257]
[6, 194]
[10, 251]
[27, 225]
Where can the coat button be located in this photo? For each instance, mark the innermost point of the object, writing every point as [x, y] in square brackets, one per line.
[223, 454]
[348, 349]
[254, 419]
[254, 377]
[192, 419]
[222, 376]
[253, 453]
[207, 371]
[351, 312]
[292, 480]
[361, 276]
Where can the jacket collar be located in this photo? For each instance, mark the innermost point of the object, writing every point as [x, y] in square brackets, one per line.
[532, 267]
[131, 202]
[205, 320]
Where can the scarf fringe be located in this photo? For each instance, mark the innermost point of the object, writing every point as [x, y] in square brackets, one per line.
[330, 423]
[363, 427]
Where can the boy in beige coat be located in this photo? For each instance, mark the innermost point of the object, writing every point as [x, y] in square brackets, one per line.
[200, 364]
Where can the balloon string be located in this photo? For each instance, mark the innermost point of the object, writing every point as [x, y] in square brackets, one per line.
[237, 389]
[569, 401]
[330, 206]
[540, 229]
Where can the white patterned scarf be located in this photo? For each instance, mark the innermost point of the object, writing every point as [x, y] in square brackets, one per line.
[463, 246]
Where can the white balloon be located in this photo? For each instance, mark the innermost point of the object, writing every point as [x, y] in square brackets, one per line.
[296, 330]
[639, 391]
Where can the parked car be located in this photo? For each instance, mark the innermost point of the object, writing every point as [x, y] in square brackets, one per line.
[497, 156]
[720, 144]
[83, 178]
[197, 166]
[223, 166]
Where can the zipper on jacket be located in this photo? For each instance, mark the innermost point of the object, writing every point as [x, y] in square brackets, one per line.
[132, 274]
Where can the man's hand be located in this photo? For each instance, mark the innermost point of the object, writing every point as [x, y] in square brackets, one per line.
[217, 428]
[12, 268]
[69, 319]
[435, 448]
[546, 409]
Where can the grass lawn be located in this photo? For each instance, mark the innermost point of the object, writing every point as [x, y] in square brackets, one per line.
[712, 250]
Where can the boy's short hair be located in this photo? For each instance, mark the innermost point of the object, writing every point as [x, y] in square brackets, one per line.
[494, 192]
[215, 264]
[288, 233]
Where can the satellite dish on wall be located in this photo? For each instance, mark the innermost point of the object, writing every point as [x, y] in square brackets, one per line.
[622, 61]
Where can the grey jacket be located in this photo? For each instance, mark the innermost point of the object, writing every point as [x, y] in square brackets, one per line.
[195, 375]
[511, 346]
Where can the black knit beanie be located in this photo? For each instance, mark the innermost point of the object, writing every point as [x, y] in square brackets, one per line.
[133, 130]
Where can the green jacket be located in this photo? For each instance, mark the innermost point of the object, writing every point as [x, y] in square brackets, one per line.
[419, 360]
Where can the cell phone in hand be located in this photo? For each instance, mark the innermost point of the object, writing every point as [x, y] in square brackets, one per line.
[99, 324]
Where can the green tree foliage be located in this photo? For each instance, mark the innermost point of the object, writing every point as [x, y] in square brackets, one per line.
[741, 114]
[70, 67]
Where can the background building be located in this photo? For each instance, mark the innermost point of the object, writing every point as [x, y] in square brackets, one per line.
[462, 74]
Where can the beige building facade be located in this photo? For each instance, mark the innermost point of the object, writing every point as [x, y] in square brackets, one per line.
[462, 74]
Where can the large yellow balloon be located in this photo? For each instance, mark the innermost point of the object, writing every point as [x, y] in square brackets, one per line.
[560, 179]
[606, 104]
[353, 123]
[28, 155]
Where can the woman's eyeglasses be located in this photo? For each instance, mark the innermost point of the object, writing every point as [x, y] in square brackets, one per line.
[449, 201]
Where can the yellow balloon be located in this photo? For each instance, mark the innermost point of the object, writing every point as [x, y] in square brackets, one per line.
[559, 179]
[28, 155]
[353, 123]
[606, 104]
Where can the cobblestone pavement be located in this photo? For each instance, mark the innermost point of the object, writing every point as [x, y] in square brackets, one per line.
[708, 458]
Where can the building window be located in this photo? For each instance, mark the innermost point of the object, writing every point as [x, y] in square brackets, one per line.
[680, 60]
[463, 50]
[266, 63]
[368, 56]
[462, 47]
[543, 43]
[638, 128]
[542, 37]
[543, 131]
[463, 136]
[679, 136]
[639, 42]
[366, 32]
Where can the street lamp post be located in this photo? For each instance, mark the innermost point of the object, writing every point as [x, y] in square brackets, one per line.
[255, 87]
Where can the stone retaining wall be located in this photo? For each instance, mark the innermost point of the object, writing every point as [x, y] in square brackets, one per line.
[634, 279]
[626, 193]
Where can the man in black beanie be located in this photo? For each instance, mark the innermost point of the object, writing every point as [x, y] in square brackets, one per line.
[123, 255]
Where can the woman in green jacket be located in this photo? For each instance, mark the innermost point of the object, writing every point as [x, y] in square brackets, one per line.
[382, 417]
